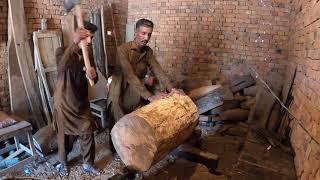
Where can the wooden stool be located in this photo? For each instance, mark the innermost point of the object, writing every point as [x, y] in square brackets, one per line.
[18, 129]
[99, 109]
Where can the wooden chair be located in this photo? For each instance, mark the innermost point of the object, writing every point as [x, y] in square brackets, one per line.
[99, 109]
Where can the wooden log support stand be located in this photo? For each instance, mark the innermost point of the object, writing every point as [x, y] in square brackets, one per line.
[148, 134]
[16, 130]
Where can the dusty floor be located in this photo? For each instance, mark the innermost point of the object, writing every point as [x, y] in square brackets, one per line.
[241, 157]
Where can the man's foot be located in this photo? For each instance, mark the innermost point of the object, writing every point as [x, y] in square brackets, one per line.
[116, 157]
[90, 169]
[62, 169]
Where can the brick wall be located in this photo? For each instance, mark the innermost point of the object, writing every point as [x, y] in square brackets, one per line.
[304, 51]
[53, 11]
[4, 89]
[208, 39]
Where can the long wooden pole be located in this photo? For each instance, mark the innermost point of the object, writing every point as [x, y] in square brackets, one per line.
[23, 51]
[83, 45]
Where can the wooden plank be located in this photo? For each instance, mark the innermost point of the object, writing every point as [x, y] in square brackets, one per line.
[43, 85]
[229, 104]
[194, 154]
[16, 153]
[236, 80]
[18, 97]
[98, 49]
[41, 88]
[45, 47]
[44, 101]
[104, 41]
[235, 115]
[248, 104]
[250, 91]
[17, 166]
[202, 91]
[190, 84]
[246, 81]
[274, 160]
[50, 69]
[265, 101]
[210, 101]
[14, 130]
[23, 51]
[244, 170]
[288, 82]
[274, 119]
[8, 148]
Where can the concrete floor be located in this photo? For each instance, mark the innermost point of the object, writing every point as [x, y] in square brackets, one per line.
[240, 157]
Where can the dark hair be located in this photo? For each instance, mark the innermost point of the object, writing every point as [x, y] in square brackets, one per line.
[89, 26]
[144, 22]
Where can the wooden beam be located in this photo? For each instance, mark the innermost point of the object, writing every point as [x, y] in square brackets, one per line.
[23, 51]
[18, 98]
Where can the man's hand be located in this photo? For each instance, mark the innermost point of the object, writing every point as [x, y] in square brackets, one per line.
[178, 91]
[90, 73]
[150, 81]
[158, 96]
[81, 34]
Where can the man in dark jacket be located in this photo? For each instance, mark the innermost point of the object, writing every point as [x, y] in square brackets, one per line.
[72, 113]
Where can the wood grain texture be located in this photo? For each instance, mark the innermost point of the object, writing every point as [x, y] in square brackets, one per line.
[23, 52]
[146, 135]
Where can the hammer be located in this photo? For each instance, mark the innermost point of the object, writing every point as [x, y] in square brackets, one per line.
[68, 5]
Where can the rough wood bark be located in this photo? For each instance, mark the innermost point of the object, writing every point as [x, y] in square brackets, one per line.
[146, 135]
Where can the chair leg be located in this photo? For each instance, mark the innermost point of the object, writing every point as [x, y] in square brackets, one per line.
[16, 141]
[103, 118]
[31, 145]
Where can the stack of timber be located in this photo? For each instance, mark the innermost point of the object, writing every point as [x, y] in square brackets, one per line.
[148, 134]
[231, 102]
